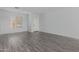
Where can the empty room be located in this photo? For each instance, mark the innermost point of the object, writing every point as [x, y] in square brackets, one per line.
[39, 29]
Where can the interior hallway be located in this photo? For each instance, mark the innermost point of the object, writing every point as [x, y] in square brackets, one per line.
[37, 42]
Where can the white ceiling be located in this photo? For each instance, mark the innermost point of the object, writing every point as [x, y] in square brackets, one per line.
[40, 9]
[36, 9]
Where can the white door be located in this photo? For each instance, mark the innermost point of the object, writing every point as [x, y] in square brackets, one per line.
[34, 22]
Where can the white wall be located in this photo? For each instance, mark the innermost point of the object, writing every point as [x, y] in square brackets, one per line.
[62, 22]
[6, 17]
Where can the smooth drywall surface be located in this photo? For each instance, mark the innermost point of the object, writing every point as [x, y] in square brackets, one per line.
[62, 22]
[5, 19]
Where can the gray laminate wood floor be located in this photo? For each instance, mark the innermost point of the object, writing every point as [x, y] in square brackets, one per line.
[37, 42]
